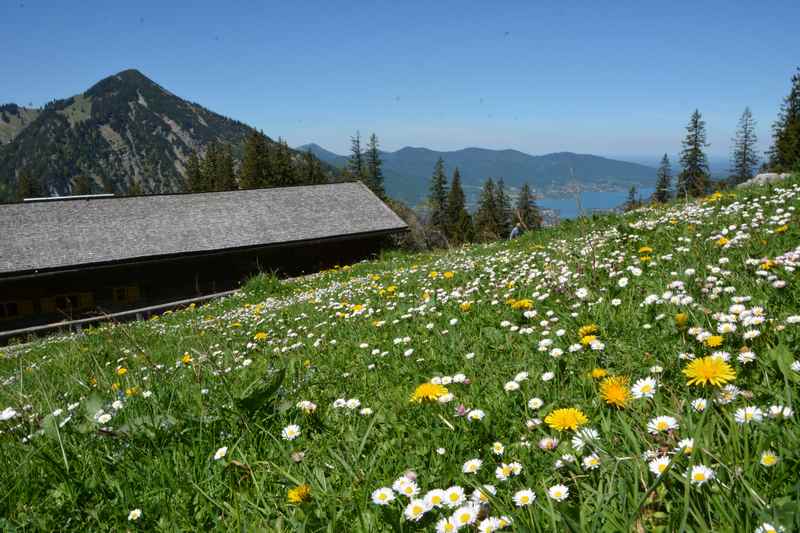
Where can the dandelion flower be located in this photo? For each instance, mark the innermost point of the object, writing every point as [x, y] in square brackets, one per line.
[428, 392]
[563, 419]
[707, 370]
[558, 493]
[714, 341]
[598, 373]
[299, 494]
[614, 391]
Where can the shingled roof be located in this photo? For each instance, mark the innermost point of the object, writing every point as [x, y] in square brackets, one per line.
[54, 235]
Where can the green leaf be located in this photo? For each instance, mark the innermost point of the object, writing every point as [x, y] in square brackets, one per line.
[783, 357]
[261, 393]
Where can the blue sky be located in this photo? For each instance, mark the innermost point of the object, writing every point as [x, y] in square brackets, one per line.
[611, 78]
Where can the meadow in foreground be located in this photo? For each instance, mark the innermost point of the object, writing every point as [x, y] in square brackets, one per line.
[624, 373]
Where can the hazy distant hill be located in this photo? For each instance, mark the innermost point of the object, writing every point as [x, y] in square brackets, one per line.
[407, 170]
[124, 129]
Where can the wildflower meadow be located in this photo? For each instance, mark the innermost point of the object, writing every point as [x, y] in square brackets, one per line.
[635, 372]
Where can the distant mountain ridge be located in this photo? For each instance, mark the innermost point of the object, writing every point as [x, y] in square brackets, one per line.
[407, 170]
[125, 130]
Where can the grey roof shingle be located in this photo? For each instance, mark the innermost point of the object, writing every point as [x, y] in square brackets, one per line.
[68, 233]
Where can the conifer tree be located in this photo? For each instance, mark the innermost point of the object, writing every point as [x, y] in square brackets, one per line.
[503, 203]
[438, 197]
[745, 158]
[283, 168]
[194, 174]
[663, 181]
[226, 177]
[784, 156]
[81, 185]
[208, 168]
[255, 162]
[527, 212]
[312, 169]
[487, 220]
[135, 188]
[374, 174]
[632, 202]
[355, 165]
[28, 187]
[694, 177]
[459, 223]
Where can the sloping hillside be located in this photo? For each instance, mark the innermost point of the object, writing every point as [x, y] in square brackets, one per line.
[633, 372]
[14, 119]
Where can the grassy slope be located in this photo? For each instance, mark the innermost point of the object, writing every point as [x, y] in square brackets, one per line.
[347, 334]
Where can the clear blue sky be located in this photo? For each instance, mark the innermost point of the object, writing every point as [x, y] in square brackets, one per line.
[612, 78]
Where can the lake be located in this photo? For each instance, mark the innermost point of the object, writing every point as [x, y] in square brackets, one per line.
[567, 208]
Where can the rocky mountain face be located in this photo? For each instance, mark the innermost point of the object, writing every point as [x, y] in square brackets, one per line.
[126, 129]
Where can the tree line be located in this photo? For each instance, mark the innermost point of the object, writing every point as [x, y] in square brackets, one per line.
[694, 178]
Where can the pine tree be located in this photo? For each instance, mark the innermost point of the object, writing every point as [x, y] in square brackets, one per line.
[527, 212]
[459, 224]
[194, 174]
[374, 173]
[664, 181]
[487, 220]
[284, 171]
[745, 158]
[784, 156]
[694, 177]
[355, 165]
[503, 203]
[438, 197]
[208, 168]
[81, 185]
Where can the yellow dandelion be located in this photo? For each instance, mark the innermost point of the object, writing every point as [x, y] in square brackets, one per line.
[260, 336]
[429, 392]
[186, 359]
[714, 341]
[449, 275]
[523, 304]
[586, 340]
[722, 241]
[465, 306]
[568, 418]
[681, 319]
[713, 370]
[644, 250]
[588, 329]
[598, 373]
[121, 371]
[614, 391]
[299, 494]
[782, 229]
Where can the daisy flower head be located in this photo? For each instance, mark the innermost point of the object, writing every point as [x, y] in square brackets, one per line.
[406, 487]
[134, 515]
[658, 466]
[766, 527]
[472, 466]
[435, 498]
[290, 432]
[746, 415]
[558, 493]
[382, 496]
[475, 415]
[769, 458]
[466, 515]
[220, 453]
[447, 525]
[482, 494]
[583, 436]
[709, 370]
[524, 497]
[454, 496]
[699, 404]
[661, 424]
[567, 418]
[644, 388]
[535, 403]
[498, 448]
[700, 474]
[415, 510]
[591, 462]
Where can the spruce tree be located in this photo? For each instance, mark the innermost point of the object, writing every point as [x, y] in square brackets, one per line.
[312, 169]
[194, 174]
[81, 185]
[487, 226]
[459, 223]
[284, 171]
[631, 202]
[784, 156]
[527, 212]
[503, 203]
[226, 177]
[437, 197]
[373, 170]
[208, 168]
[355, 165]
[253, 172]
[694, 177]
[745, 158]
[664, 181]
